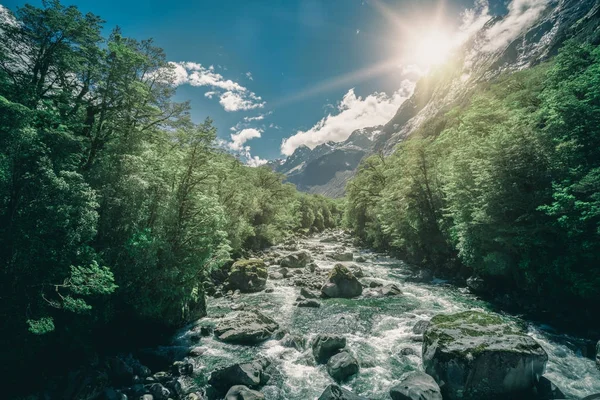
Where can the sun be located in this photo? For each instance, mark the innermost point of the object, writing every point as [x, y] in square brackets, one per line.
[430, 48]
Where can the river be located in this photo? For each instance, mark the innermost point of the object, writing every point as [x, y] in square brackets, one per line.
[377, 330]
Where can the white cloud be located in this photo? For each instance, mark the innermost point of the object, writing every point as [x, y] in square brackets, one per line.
[354, 112]
[256, 161]
[232, 95]
[249, 76]
[235, 101]
[239, 139]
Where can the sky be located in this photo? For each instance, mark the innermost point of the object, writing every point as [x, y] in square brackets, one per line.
[277, 74]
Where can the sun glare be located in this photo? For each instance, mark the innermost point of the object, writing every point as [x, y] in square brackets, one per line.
[430, 48]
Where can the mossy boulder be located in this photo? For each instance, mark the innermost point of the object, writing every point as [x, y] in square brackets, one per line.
[341, 282]
[476, 355]
[248, 275]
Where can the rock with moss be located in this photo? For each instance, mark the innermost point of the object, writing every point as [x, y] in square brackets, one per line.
[341, 282]
[476, 355]
[298, 259]
[248, 275]
[246, 327]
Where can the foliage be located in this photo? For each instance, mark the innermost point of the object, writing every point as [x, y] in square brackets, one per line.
[508, 188]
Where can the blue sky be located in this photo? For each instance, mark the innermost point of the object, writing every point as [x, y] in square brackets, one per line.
[293, 62]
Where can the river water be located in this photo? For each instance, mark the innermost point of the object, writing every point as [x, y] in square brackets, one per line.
[377, 330]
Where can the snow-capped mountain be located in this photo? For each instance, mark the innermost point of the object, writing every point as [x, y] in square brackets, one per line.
[501, 45]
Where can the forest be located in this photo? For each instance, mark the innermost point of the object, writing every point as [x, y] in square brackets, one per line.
[114, 205]
[504, 186]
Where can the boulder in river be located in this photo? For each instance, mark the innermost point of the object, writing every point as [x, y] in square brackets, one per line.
[341, 283]
[307, 293]
[310, 303]
[248, 275]
[298, 259]
[475, 355]
[341, 256]
[598, 354]
[158, 391]
[389, 290]
[416, 385]
[293, 341]
[342, 366]
[545, 389]
[246, 327]
[420, 327]
[241, 392]
[335, 392]
[325, 346]
[477, 285]
[247, 374]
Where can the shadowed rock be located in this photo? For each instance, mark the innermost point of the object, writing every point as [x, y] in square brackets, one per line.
[475, 355]
[416, 386]
[246, 327]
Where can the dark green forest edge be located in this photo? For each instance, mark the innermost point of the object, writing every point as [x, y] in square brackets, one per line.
[114, 206]
[505, 188]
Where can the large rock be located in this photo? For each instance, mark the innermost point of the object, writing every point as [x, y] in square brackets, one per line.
[341, 283]
[248, 275]
[342, 366]
[246, 327]
[325, 346]
[299, 259]
[241, 392]
[335, 392]
[247, 374]
[545, 389]
[341, 256]
[416, 386]
[310, 303]
[475, 355]
[477, 285]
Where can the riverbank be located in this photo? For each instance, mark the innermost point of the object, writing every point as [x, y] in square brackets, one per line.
[382, 329]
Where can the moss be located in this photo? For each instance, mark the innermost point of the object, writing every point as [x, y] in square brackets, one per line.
[340, 271]
[466, 317]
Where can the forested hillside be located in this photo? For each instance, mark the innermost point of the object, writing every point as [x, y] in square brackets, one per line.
[504, 187]
[113, 203]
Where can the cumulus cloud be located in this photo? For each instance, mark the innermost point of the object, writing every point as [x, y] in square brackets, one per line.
[236, 101]
[232, 95]
[249, 76]
[353, 112]
[239, 139]
[256, 161]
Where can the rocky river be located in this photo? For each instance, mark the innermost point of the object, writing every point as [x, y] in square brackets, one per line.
[295, 330]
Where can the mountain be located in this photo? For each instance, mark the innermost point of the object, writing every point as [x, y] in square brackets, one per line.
[496, 48]
[326, 168]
